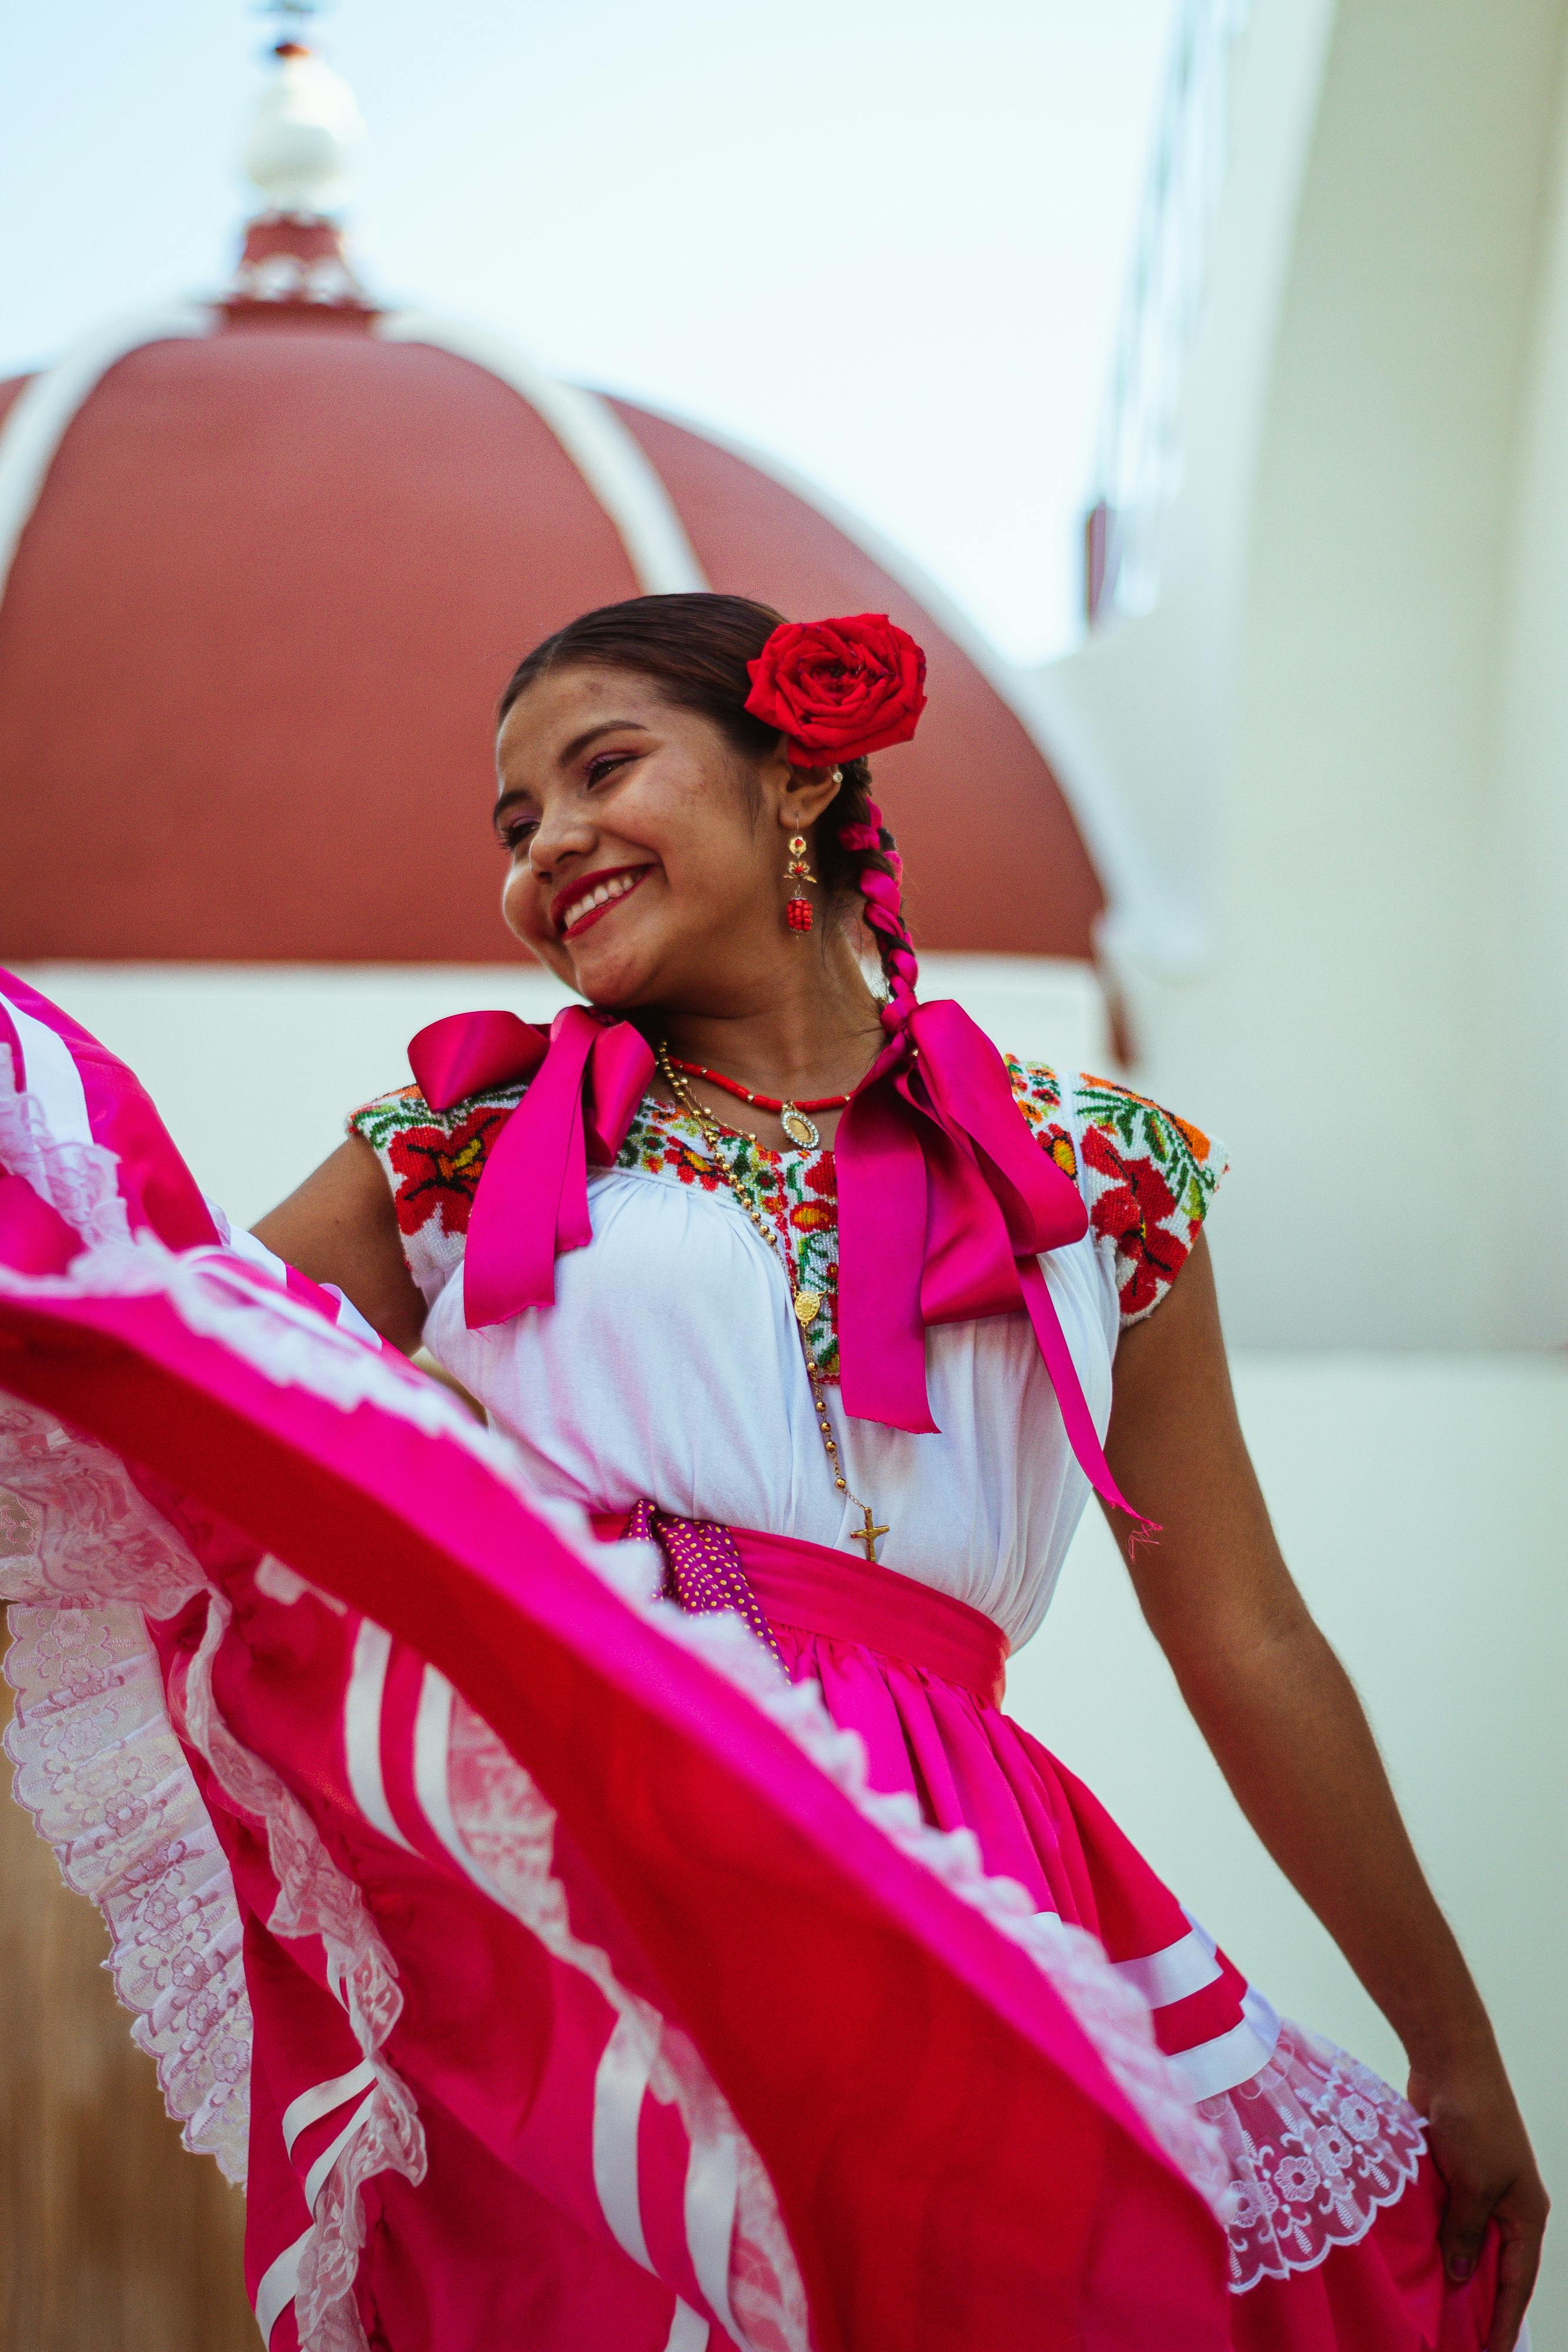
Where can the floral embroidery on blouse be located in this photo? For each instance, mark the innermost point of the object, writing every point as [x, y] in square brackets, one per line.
[432, 1161]
[1147, 1177]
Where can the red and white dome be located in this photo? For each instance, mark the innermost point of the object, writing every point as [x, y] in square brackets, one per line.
[265, 565]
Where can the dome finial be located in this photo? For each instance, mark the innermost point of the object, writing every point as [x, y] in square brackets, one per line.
[306, 125]
[302, 137]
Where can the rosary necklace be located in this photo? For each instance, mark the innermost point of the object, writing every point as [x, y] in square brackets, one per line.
[807, 1303]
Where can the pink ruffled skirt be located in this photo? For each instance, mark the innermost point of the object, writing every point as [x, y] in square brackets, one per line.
[1334, 2206]
[542, 1958]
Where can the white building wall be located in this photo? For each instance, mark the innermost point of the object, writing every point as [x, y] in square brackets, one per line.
[1527, 1000]
[1309, 722]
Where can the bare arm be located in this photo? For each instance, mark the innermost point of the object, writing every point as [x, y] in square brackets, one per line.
[340, 1226]
[1286, 1728]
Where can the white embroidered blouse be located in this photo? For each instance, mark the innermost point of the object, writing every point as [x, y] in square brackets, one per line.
[670, 1366]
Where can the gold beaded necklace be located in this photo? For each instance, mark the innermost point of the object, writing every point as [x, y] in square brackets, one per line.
[806, 1303]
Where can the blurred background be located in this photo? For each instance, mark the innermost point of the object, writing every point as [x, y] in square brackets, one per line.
[1192, 378]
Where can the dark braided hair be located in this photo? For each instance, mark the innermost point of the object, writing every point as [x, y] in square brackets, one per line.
[695, 649]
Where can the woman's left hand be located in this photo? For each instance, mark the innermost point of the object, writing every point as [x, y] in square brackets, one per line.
[1481, 2147]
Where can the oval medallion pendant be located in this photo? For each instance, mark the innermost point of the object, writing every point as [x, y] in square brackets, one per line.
[800, 1129]
[808, 1305]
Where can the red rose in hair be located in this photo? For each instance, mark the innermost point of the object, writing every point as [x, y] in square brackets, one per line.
[838, 690]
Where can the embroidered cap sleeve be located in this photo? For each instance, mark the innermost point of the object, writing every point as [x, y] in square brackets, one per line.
[1147, 1176]
[432, 1161]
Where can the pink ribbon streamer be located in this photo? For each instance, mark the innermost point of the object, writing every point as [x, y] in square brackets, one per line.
[947, 1202]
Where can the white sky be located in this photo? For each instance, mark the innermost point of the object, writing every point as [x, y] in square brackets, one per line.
[882, 239]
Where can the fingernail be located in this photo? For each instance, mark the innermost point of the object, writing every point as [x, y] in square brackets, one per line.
[1460, 2268]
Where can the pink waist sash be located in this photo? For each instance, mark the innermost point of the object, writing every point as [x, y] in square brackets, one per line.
[806, 1588]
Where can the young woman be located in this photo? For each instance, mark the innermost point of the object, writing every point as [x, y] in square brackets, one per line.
[806, 1285]
[677, 800]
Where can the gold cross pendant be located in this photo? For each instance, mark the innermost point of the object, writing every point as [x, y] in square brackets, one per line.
[868, 1534]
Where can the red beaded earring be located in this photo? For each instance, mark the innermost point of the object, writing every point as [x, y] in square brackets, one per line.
[798, 913]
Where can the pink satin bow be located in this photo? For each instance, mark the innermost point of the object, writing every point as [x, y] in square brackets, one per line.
[946, 1201]
[531, 1202]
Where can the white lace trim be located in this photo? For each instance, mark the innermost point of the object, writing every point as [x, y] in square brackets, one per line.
[75, 1527]
[1316, 2145]
[99, 1768]
[316, 1898]
[78, 1180]
[102, 1776]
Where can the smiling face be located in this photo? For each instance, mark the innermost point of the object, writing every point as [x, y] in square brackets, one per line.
[646, 857]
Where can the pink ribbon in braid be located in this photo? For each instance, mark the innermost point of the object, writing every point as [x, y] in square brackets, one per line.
[884, 913]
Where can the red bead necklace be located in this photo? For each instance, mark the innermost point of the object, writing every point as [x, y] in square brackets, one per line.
[777, 1104]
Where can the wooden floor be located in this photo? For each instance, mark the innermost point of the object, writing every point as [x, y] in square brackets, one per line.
[112, 2239]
